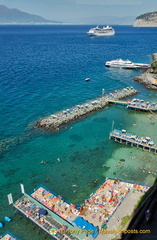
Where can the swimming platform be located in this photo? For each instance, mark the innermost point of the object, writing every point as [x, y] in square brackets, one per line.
[144, 143]
[55, 121]
[8, 236]
[137, 104]
[66, 221]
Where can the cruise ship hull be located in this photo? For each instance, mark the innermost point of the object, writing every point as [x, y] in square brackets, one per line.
[119, 63]
[100, 32]
[128, 67]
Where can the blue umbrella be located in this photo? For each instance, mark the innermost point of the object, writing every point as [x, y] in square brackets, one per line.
[42, 211]
[7, 219]
[1, 224]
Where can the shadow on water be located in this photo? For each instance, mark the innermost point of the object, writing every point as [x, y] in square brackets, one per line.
[76, 138]
[10, 172]
[100, 119]
[122, 160]
[27, 135]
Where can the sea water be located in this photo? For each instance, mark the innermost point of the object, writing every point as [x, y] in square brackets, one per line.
[42, 71]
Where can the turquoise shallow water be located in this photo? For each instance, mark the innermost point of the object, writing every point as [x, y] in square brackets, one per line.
[43, 71]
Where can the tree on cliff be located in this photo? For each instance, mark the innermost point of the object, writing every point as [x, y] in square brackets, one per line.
[154, 65]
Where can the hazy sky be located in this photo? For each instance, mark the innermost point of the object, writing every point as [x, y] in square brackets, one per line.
[82, 10]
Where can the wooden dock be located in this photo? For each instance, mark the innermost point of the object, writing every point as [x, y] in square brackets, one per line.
[54, 225]
[138, 105]
[117, 102]
[144, 143]
[8, 236]
[144, 107]
[55, 121]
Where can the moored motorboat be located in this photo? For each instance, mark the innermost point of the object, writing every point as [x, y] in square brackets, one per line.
[127, 64]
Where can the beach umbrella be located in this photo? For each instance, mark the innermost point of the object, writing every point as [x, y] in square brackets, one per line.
[7, 219]
[42, 211]
[148, 138]
[123, 131]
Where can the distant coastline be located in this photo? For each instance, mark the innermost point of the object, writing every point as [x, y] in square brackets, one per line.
[40, 23]
[58, 23]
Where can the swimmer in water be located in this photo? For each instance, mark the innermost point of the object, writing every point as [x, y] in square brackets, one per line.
[43, 162]
[124, 174]
[95, 181]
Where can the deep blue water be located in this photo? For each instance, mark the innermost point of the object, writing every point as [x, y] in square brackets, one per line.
[43, 70]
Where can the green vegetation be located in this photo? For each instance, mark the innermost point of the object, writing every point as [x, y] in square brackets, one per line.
[146, 16]
[125, 220]
[138, 203]
[142, 199]
[154, 66]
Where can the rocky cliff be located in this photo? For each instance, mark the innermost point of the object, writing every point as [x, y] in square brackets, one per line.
[146, 20]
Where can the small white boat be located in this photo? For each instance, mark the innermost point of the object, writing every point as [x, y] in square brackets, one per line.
[119, 63]
[87, 79]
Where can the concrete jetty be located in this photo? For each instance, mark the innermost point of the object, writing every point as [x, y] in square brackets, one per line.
[55, 121]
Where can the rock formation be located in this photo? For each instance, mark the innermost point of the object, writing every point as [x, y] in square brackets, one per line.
[146, 20]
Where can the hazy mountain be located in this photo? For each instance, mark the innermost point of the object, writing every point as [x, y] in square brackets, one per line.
[13, 15]
[104, 20]
[146, 20]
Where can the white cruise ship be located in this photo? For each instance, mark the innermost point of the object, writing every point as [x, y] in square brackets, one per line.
[105, 31]
[119, 63]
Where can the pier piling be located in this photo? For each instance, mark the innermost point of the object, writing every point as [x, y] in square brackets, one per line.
[134, 140]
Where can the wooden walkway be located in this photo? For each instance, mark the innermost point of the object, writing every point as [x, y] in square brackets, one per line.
[55, 226]
[144, 109]
[139, 105]
[133, 140]
[119, 102]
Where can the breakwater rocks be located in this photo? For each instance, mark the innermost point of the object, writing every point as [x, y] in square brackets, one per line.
[55, 121]
[148, 78]
[154, 56]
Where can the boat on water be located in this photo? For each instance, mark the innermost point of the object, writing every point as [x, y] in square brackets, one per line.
[105, 31]
[87, 79]
[127, 64]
